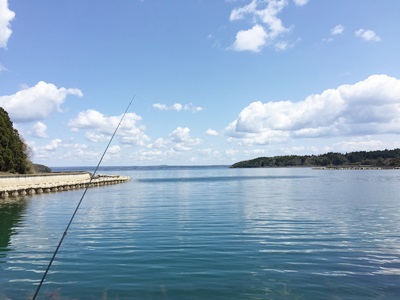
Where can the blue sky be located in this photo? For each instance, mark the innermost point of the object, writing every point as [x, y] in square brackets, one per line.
[215, 82]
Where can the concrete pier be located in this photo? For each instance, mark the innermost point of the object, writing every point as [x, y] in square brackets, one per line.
[15, 185]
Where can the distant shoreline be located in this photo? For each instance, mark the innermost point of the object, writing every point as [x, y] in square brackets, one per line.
[384, 159]
[355, 168]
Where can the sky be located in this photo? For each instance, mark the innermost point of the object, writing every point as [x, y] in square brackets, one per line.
[213, 82]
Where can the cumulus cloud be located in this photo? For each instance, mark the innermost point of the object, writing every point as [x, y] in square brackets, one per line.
[46, 151]
[37, 102]
[240, 12]
[358, 145]
[208, 152]
[367, 35]
[335, 31]
[300, 2]
[43, 152]
[81, 152]
[180, 134]
[231, 152]
[100, 127]
[6, 16]
[39, 130]
[282, 46]
[212, 132]
[160, 106]
[250, 40]
[55, 151]
[181, 139]
[371, 106]
[338, 29]
[178, 107]
[53, 145]
[113, 152]
[75, 146]
[265, 12]
[158, 144]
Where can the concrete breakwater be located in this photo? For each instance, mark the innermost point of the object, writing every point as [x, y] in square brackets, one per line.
[16, 185]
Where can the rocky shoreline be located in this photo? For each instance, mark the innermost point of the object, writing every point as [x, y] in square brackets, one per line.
[355, 168]
[16, 185]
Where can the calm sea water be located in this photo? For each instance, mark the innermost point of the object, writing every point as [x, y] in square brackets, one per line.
[210, 233]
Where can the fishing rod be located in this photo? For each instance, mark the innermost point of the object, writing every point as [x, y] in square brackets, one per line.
[79, 203]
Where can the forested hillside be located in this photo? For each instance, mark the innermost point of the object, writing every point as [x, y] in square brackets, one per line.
[384, 158]
[13, 151]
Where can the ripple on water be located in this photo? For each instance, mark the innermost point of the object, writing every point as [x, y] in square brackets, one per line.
[214, 233]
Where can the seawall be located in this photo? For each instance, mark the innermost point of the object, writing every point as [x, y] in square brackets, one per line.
[16, 185]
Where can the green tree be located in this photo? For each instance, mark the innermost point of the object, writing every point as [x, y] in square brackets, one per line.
[13, 150]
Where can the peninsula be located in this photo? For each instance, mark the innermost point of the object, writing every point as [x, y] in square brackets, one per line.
[381, 159]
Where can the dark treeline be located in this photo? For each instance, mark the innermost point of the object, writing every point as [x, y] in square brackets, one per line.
[381, 158]
[13, 151]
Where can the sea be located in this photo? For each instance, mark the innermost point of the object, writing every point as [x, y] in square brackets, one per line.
[209, 232]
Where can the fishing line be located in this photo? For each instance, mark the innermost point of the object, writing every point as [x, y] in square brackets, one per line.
[79, 203]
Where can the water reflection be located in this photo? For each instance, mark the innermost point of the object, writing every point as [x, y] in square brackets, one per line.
[330, 229]
[218, 234]
[11, 211]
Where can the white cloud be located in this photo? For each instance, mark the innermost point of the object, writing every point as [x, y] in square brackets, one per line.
[113, 152]
[100, 127]
[6, 16]
[371, 106]
[80, 152]
[53, 152]
[181, 139]
[180, 134]
[158, 144]
[212, 132]
[258, 36]
[255, 152]
[282, 46]
[43, 152]
[2, 68]
[358, 145]
[178, 107]
[239, 13]
[367, 35]
[160, 106]
[95, 137]
[37, 102]
[250, 40]
[178, 146]
[300, 2]
[208, 152]
[39, 130]
[76, 146]
[53, 145]
[46, 151]
[149, 156]
[89, 119]
[338, 29]
[231, 152]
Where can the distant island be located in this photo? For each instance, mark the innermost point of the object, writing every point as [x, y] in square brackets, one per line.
[385, 159]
